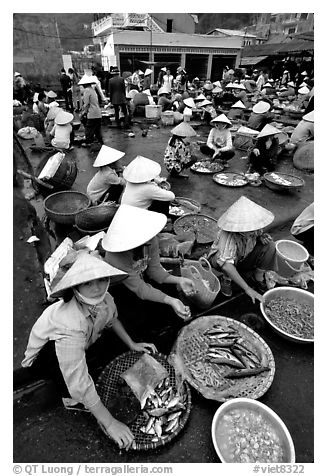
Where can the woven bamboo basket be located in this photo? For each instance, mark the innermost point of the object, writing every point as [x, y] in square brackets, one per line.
[108, 387]
[62, 207]
[303, 158]
[96, 218]
[207, 285]
[203, 227]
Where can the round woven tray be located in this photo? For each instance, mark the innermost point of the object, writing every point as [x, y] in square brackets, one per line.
[230, 181]
[107, 388]
[61, 207]
[211, 168]
[203, 226]
[295, 182]
[191, 350]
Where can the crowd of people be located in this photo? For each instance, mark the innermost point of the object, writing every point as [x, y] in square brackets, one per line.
[74, 329]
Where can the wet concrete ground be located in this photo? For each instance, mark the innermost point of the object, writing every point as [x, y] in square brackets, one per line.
[44, 432]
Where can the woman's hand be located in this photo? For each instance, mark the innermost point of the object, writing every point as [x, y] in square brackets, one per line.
[188, 286]
[253, 294]
[180, 309]
[265, 238]
[120, 433]
[256, 152]
[143, 347]
[216, 154]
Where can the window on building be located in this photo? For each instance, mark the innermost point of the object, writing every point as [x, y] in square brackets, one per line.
[291, 30]
[169, 25]
[304, 16]
[273, 20]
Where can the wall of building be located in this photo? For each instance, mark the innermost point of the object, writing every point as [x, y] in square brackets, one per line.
[284, 23]
[38, 57]
[182, 22]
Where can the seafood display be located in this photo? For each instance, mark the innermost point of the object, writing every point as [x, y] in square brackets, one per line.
[160, 416]
[291, 316]
[246, 436]
[180, 206]
[230, 179]
[177, 211]
[225, 359]
[203, 226]
[284, 179]
[206, 167]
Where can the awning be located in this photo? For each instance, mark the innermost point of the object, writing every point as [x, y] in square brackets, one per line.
[252, 60]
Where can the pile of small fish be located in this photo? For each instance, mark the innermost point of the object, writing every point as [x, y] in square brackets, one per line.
[226, 346]
[162, 411]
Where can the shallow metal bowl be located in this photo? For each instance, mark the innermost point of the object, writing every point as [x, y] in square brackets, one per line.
[263, 410]
[300, 295]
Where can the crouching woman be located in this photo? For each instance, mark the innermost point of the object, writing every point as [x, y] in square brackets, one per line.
[63, 339]
[241, 250]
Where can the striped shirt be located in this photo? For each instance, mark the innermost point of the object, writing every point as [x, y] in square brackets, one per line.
[141, 195]
[101, 182]
[230, 247]
[73, 329]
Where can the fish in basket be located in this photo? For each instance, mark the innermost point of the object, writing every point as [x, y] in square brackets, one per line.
[223, 358]
[164, 408]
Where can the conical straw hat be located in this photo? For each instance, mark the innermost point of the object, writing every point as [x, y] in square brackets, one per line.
[309, 117]
[267, 85]
[163, 90]
[147, 72]
[204, 103]
[141, 72]
[261, 107]
[304, 90]
[183, 130]
[189, 102]
[132, 227]
[86, 268]
[217, 83]
[238, 86]
[63, 118]
[245, 215]
[230, 85]
[86, 79]
[304, 73]
[291, 83]
[239, 105]
[208, 86]
[51, 94]
[141, 170]
[303, 84]
[107, 155]
[200, 97]
[268, 130]
[216, 90]
[222, 118]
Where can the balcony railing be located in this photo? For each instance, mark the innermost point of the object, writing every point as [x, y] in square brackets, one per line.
[123, 20]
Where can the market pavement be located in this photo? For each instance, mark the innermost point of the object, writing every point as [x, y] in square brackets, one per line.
[38, 417]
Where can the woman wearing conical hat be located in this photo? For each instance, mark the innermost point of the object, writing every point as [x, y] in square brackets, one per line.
[208, 111]
[236, 111]
[304, 131]
[219, 144]
[62, 131]
[107, 184]
[261, 115]
[65, 344]
[131, 244]
[178, 154]
[241, 249]
[263, 155]
[143, 181]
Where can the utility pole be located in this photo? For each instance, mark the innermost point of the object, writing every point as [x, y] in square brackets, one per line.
[150, 55]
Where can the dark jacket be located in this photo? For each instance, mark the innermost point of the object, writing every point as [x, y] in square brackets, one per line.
[258, 121]
[117, 91]
[65, 82]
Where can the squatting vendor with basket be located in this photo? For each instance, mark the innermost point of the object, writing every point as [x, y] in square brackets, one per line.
[65, 343]
[131, 245]
[241, 248]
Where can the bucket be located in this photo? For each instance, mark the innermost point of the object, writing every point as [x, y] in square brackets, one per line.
[167, 118]
[153, 111]
[290, 257]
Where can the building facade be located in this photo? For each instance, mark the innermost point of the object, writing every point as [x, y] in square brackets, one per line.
[201, 55]
[270, 25]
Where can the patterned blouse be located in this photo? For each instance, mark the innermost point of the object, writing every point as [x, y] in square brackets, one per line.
[177, 156]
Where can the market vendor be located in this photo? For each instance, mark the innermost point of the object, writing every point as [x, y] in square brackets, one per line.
[219, 144]
[131, 244]
[143, 189]
[178, 154]
[240, 93]
[288, 91]
[263, 155]
[304, 131]
[303, 228]
[236, 111]
[65, 344]
[241, 250]
[164, 101]
[107, 184]
[260, 116]
[62, 131]
[53, 111]
[209, 112]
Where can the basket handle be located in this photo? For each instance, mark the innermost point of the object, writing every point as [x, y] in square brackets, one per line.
[196, 273]
[204, 261]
